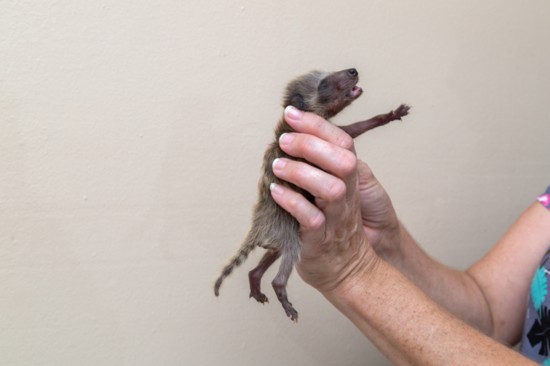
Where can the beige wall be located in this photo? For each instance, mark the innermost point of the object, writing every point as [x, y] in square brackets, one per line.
[132, 135]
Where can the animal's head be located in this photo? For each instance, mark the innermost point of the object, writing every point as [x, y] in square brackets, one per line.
[323, 93]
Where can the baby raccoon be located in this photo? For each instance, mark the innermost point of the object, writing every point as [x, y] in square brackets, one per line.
[274, 229]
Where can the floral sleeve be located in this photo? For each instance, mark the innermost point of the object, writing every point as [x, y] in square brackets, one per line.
[535, 341]
[545, 198]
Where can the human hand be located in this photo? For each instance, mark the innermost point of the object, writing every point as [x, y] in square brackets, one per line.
[335, 246]
[379, 218]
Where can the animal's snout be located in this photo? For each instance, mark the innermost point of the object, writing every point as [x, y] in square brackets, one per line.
[353, 72]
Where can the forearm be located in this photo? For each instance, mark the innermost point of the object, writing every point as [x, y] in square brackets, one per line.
[409, 328]
[455, 290]
[491, 295]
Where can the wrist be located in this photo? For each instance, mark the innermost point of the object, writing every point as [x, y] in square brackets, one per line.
[390, 244]
[357, 277]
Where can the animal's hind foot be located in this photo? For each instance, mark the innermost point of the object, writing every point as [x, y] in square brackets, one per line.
[259, 296]
[290, 311]
[280, 290]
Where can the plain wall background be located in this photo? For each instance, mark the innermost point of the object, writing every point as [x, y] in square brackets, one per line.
[131, 141]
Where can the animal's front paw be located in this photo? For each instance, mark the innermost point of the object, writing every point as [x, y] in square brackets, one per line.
[401, 111]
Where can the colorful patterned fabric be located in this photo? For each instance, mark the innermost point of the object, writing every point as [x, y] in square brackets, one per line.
[545, 198]
[535, 342]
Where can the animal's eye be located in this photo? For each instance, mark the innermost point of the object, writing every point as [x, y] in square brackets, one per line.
[297, 101]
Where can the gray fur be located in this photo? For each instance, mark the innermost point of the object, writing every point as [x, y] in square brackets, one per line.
[273, 228]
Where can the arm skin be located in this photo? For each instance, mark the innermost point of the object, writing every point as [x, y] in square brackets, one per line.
[350, 236]
[491, 295]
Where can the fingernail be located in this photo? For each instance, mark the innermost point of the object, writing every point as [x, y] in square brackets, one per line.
[278, 164]
[285, 139]
[275, 188]
[293, 113]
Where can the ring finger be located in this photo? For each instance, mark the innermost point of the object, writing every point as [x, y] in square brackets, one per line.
[323, 186]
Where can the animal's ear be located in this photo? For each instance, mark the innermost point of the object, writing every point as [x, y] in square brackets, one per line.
[297, 100]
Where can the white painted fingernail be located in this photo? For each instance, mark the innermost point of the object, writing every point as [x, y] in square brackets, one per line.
[293, 113]
[278, 164]
[286, 138]
[275, 188]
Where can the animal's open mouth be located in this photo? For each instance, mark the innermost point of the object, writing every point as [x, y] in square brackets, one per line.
[355, 92]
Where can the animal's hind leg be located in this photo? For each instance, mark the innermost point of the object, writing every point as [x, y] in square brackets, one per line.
[255, 276]
[279, 285]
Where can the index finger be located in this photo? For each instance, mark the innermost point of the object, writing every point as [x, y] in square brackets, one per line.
[312, 124]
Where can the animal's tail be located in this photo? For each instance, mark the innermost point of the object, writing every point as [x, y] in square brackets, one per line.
[247, 247]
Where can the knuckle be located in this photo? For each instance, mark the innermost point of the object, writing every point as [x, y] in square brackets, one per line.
[316, 222]
[311, 148]
[310, 144]
[348, 163]
[336, 190]
[292, 205]
[317, 122]
[345, 141]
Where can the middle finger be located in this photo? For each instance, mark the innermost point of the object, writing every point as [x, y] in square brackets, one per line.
[327, 156]
[323, 186]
